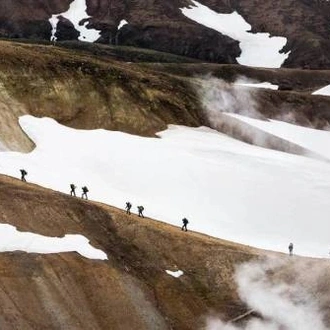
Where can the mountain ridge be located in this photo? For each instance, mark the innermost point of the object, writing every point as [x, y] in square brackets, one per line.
[163, 27]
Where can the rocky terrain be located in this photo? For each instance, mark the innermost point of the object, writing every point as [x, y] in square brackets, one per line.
[162, 26]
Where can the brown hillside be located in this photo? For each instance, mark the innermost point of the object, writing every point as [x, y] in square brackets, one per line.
[118, 88]
[129, 291]
[83, 91]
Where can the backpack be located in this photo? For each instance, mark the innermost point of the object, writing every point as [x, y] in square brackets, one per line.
[73, 187]
[85, 190]
[23, 172]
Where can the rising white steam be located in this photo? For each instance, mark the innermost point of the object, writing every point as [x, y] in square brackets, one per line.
[287, 294]
[218, 96]
[220, 100]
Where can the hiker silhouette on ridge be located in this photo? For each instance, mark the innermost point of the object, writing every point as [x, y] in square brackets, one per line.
[185, 223]
[290, 249]
[23, 174]
[85, 191]
[128, 207]
[140, 210]
[73, 190]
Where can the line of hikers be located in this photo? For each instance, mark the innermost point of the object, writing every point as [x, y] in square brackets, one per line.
[85, 190]
[140, 214]
[128, 205]
[72, 186]
[140, 209]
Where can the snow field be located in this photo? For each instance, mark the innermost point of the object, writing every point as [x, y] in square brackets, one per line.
[225, 188]
[258, 49]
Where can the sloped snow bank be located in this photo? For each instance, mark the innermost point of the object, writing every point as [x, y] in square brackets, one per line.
[317, 141]
[225, 188]
[258, 49]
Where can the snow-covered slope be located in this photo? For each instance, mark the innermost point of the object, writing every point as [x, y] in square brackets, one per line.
[225, 187]
[258, 49]
[311, 139]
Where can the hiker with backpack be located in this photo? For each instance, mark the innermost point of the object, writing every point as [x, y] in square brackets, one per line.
[23, 174]
[140, 210]
[73, 190]
[128, 207]
[290, 249]
[85, 191]
[185, 223]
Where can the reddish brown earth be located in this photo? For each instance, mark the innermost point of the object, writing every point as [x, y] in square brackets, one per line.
[130, 290]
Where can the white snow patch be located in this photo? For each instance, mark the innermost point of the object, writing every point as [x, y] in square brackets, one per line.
[225, 187]
[317, 141]
[265, 84]
[76, 13]
[258, 49]
[12, 240]
[122, 23]
[323, 91]
[176, 274]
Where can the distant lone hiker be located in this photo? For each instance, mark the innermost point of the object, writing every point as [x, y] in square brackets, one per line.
[185, 222]
[140, 210]
[23, 174]
[128, 207]
[290, 249]
[73, 190]
[85, 191]
[53, 40]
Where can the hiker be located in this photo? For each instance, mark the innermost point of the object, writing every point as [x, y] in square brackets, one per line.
[185, 222]
[23, 174]
[85, 191]
[53, 40]
[290, 249]
[73, 190]
[128, 207]
[140, 209]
